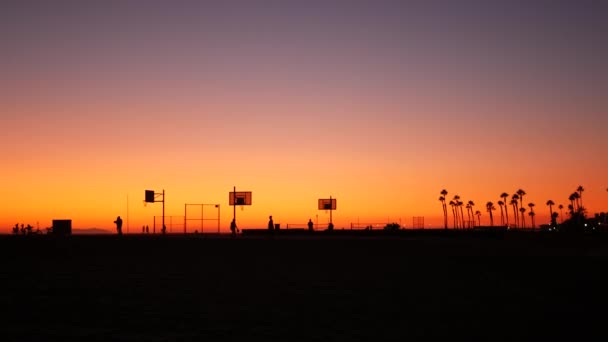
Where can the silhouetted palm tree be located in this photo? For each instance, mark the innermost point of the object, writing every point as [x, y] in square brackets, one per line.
[444, 209]
[468, 214]
[561, 212]
[502, 215]
[452, 204]
[456, 199]
[515, 204]
[444, 194]
[489, 208]
[521, 193]
[478, 213]
[460, 205]
[523, 217]
[554, 218]
[580, 190]
[550, 203]
[573, 198]
[504, 196]
[532, 214]
[471, 204]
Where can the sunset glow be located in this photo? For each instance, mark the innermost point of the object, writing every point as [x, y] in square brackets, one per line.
[378, 104]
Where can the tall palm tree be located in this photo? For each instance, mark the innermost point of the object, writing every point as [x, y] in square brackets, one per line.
[515, 204]
[478, 213]
[444, 194]
[489, 208]
[468, 215]
[532, 214]
[550, 203]
[502, 215]
[573, 198]
[460, 205]
[456, 199]
[504, 196]
[561, 212]
[554, 218]
[522, 210]
[472, 205]
[521, 193]
[580, 190]
[452, 204]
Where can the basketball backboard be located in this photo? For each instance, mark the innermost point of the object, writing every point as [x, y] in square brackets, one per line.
[327, 204]
[239, 198]
[149, 196]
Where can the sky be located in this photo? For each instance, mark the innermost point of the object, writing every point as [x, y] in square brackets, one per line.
[379, 104]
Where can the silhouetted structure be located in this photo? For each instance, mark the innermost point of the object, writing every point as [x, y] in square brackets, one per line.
[310, 225]
[270, 223]
[62, 227]
[147, 230]
[118, 223]
[330, 227]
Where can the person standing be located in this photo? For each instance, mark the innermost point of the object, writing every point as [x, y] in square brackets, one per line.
[310, 225]
[118, 223]
[270, 223]
[233, 227]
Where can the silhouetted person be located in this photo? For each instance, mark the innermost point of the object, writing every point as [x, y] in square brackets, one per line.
[331, 226]
[310, 225]
[22, 229]
[29, 228]
[147, 230]
[118, 223]
[233, 227]
[16, 229]
[143, 229]
[270, 223]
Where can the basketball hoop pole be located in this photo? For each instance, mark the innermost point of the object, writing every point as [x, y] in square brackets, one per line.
[234, 206]
[330, 210]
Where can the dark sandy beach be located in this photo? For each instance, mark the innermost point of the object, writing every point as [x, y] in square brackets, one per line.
[176, 288]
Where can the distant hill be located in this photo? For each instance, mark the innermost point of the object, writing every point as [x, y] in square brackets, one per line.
[90, 231]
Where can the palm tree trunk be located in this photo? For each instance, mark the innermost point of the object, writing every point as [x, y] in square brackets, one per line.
[445, 215]
[462, 217]
[506, 211]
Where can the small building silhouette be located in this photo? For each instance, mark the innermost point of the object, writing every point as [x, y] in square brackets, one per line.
[62, 227]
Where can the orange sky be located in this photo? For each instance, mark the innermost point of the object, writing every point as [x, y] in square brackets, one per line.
[371, 105]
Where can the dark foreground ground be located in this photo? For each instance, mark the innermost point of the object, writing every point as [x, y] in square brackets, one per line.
[108, 288]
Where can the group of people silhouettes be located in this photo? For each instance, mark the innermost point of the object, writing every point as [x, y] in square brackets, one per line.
[145, 229]
[24, 229]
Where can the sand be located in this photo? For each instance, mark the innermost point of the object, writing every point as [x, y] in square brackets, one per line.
[175, 288]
